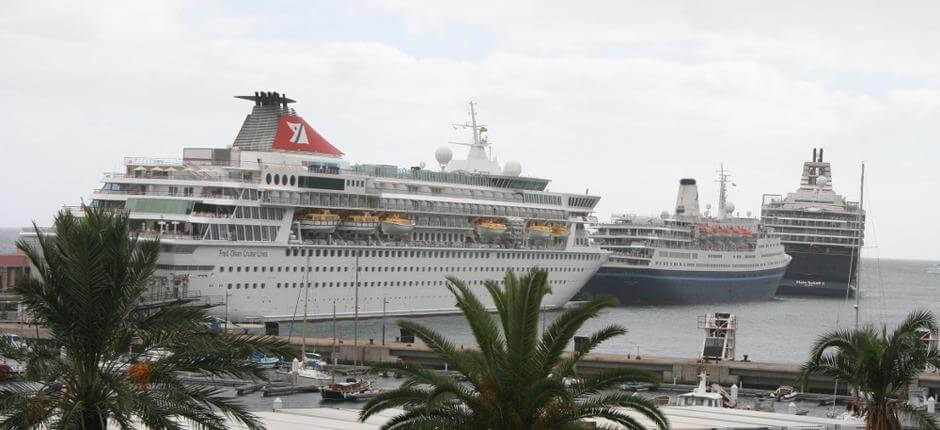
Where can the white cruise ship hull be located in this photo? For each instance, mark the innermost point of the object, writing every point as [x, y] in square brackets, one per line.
[252, 283]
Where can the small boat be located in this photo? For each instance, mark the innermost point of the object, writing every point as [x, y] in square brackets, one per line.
[350, 389]
[784, 392]
[539, 232]
[312, 368]
[488, 229]
[559, 230]
[264, 361]
[323, 222]
[397, 225]
[636, 386]
[661, 400]
[363, 222]
[701, 396]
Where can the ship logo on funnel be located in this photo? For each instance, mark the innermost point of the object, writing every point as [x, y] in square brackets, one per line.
[299, 134]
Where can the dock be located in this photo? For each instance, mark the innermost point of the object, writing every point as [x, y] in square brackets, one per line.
[672, 370]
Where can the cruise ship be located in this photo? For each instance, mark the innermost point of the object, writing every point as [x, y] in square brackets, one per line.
[688, 258]
[820, 229]
[279, 222]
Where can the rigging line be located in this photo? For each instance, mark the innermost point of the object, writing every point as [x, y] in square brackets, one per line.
[290, 331]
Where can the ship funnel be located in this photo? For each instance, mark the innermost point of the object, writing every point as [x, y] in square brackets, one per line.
[687, 200]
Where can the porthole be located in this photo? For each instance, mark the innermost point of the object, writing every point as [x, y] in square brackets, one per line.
[284, 179]
[293, 180]
[268, 178]
[277, 180]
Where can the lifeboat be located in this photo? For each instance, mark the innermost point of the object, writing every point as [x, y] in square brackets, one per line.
[489, 229]
[539, 232]
[363, 222]
[559, 230]
[397, 225]
[323, 222]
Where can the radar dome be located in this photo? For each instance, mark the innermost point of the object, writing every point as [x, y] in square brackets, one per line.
[512, 168]
[729, 207]
[422, 165]
[443, 155]
[664, 215]
[822, 181]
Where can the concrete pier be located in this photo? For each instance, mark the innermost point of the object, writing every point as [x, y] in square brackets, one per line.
[672, 370]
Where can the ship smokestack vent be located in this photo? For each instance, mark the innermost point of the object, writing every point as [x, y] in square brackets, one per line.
[687, 199]
[820, 155]
[814, 155]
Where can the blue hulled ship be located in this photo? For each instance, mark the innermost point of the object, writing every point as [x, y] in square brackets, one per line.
[687, 258]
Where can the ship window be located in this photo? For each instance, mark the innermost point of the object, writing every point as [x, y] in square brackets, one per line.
[230, 286]
[238, 286]
[284, 179]
[238, 269]
[295, 252]
[292, 180]
[277, 180]
[287, 252]
[268, 178]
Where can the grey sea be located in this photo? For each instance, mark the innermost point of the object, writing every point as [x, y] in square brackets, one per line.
[779, 330]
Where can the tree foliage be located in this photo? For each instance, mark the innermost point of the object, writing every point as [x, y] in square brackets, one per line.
[879, 365]
[90, 276]
[517, 377]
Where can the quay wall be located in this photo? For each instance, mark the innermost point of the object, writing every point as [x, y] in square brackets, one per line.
[672, 370]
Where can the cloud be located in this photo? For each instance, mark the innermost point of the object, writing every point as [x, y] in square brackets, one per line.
[622, 99]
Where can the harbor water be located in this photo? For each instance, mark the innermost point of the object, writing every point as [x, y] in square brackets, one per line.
[778, 330]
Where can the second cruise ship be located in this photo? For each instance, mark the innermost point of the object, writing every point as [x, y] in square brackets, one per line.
[821, 230]
[687, 258]
[279, 222]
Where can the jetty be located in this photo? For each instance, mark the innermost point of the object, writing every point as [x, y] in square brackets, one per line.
[673, 370]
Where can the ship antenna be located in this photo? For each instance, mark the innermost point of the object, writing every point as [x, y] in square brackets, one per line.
[480, 146]
[723, 176]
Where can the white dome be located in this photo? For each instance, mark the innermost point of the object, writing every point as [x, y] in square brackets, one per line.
[729, 207]
[512, 168]
[822, 181]
[443, 155]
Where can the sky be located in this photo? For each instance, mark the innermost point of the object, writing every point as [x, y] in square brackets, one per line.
[619, 98]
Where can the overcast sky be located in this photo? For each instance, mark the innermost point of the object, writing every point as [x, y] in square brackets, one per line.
[621, 98]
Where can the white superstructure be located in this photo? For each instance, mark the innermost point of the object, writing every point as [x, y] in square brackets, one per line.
[254, 224]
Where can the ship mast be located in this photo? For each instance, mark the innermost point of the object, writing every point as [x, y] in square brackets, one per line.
[723, 176]
[479, 148]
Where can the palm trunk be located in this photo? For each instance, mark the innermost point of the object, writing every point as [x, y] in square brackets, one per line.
[92, 421]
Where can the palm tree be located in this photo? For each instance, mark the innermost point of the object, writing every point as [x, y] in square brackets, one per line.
[90, 277]
[879, 366]
[516, 378]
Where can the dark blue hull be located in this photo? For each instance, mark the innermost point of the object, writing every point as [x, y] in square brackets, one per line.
[819, 271]
[661, 287]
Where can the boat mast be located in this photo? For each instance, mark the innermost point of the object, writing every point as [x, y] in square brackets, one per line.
[356, 304]
[333, 368]
[858, 261]
[303, 336]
